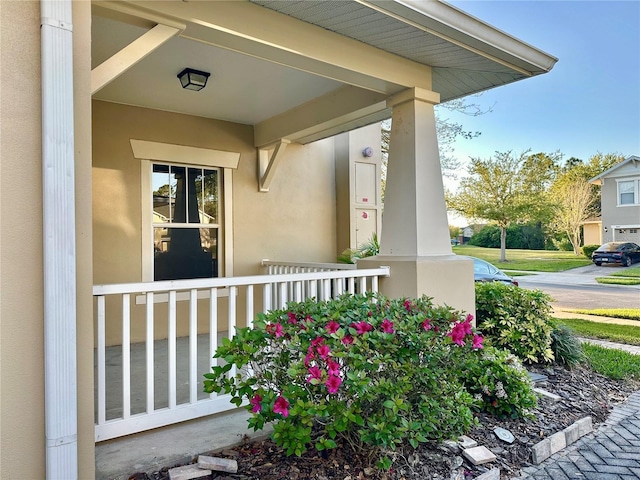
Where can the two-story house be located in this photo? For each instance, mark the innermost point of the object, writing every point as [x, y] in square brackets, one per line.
[620, 202]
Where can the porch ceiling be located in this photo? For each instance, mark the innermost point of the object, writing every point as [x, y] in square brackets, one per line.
[274, 62]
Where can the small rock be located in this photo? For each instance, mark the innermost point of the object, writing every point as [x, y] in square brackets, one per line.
[479, 455]
[504, 434]
[456, 461]
[451, 446]
[368, 471]
[466, 442]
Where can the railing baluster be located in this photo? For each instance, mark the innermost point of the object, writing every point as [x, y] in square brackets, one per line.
[126, 356]
[283, 295]
[193, 346]
[352, 287]
[298, 289]
[374, 284]
[102, 364]
[150, 354]
[249, 306]
[213, 328]
[171, 341]
[362, 283]
[232, 320]
[266, 297]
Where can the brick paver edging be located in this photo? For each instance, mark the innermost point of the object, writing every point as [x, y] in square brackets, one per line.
[560, 440]
[612, 452]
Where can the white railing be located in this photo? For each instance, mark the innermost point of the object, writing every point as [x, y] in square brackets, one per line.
[155, 340]
[307, 289]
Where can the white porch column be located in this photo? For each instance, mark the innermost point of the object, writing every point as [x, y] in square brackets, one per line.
[415, 233]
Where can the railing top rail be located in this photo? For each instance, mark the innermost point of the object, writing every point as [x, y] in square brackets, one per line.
[336, 266]
[222, 282]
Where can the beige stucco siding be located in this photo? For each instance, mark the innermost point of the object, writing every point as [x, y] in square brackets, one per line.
[21, 304]
[612, 214]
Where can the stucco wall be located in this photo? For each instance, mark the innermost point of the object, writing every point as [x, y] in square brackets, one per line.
[22, 427]
[21, 302]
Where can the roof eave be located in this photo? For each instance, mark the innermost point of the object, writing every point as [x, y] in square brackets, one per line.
[467, 31]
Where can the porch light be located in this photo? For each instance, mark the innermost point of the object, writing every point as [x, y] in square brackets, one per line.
[193, 79]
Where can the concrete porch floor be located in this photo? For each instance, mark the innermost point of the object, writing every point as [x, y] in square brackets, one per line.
[149, 451]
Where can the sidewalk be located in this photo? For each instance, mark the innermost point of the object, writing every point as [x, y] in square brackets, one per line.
[612, 452]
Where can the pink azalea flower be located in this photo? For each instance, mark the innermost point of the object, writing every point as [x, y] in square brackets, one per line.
[308, 319]
[323, 351]
[255, 401]
[333, 367]
[314, 374]
[362, 327]
[407, 305]
[347, 340]
[457, 334]
[427, 325]
[275, 328]
[333, 383]
[332, 326]
[292, 318]
[468, 329]
[281, 406]
[310, 356]
[387, 326]
[477, 342]
[317, 341]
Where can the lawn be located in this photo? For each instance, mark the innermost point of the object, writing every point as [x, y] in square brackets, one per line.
[618, 280]
[612, 363]
[628, 313]
[528, 260]
[628, 334]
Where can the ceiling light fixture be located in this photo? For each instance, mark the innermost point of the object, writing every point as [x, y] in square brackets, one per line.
[193, 79]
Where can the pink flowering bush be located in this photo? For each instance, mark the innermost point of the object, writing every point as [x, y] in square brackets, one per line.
[364, 369]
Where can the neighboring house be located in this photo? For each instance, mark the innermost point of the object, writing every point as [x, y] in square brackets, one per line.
[592, 231]
[469, 231]
[285, 142]
[620, 201]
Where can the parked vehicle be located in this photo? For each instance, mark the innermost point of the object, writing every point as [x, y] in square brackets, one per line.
[485, 272]
[624, 253]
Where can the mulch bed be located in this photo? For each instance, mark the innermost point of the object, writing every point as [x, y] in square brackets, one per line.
[583, 393]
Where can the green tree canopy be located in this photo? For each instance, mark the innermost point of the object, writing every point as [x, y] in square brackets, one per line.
[505, 189]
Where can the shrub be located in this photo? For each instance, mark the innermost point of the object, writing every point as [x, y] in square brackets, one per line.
[362, 368]
[587, 250]
[530, 237]
[516, 319]
[499, 384]
[566, 347]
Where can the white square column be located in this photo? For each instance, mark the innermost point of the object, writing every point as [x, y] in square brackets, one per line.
[415, 230]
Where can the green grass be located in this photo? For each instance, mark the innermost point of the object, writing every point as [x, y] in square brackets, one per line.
[517, 274]
[627, 272]
[618, 280]
[628, 334]
[528, 260]
[615, 364]
[628, 313]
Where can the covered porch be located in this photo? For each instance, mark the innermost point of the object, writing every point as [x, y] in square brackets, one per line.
[277, 157]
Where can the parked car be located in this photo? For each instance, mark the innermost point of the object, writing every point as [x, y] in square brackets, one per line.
[624, 253]
[485, 272]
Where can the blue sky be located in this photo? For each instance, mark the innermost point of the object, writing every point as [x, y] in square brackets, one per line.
[588, 103]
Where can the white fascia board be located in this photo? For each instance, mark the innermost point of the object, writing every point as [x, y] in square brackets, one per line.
[257, 31]
[460, 28]
[597, 180]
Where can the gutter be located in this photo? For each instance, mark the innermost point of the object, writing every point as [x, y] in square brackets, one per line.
[59, 254]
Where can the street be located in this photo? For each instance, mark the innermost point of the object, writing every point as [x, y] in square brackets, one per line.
[578, 289]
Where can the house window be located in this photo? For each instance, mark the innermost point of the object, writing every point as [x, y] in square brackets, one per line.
[185, 221]
[626, 192]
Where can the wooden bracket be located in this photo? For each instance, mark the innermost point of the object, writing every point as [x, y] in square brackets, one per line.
[126, 58]
[267, 164]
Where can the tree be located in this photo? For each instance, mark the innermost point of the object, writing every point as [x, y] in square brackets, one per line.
[574, 198]
[506, 189]
[573, 204]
